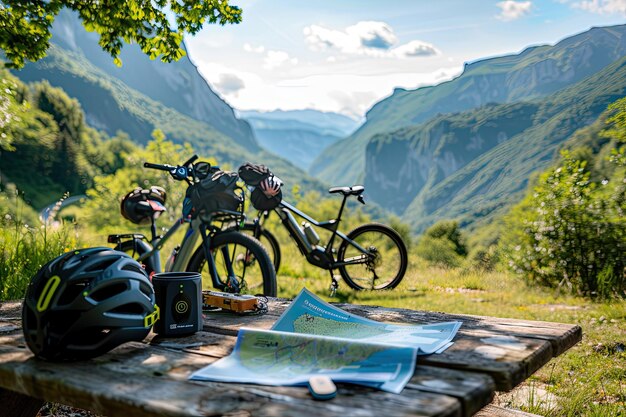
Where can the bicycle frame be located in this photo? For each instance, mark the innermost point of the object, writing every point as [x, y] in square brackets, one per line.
[321, 256]
[198, 229]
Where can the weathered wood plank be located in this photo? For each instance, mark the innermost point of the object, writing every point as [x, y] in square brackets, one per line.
[507, 365]
[141, 380]
[11, 309]
[18, 405]
[562, 336]
[509, 350]
[472, 389]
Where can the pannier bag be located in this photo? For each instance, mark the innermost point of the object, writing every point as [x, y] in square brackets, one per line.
[141, 204]
[253, 175]
[211, 194]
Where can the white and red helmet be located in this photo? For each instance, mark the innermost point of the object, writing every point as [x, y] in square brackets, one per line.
[271, 186]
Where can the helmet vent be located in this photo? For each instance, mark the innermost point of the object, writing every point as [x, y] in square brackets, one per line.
[130, 308]
[133, 267]
[72, 291]
[146, 289]
[109, 291]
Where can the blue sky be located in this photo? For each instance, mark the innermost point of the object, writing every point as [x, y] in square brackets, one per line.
[345, 55]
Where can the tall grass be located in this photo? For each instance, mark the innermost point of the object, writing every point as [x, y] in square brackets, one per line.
[24, 249]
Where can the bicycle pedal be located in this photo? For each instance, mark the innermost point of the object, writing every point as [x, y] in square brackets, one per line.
[333, 287]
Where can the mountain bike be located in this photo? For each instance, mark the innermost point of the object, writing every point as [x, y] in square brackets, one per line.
[372, 256]
[228, 260]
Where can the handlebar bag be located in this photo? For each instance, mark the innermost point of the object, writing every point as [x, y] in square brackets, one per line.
[211, 194]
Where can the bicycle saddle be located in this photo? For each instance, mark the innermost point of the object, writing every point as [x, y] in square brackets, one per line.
[354, 190]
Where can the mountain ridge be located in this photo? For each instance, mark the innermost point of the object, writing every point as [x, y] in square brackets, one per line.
[177, 85]
[534, 72]
[494, 176]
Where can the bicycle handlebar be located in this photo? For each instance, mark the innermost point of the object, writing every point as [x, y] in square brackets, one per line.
[165, 167]
[180, 172]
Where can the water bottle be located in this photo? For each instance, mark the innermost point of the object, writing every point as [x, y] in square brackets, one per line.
[310, 233]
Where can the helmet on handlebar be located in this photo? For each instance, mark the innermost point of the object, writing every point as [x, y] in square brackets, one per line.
[86, 302]
[266, 193]
[271, 185]
[140, 205]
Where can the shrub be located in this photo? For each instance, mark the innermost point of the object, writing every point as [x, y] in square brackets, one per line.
[443, 244]
[572, 231]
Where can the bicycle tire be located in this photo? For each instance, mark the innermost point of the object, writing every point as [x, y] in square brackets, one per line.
[257, 271]
[369, 236]
[268, 240]
[135, 248]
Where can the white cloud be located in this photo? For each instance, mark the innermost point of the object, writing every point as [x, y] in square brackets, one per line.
[603, 6]
[511, 10]
[257, 50]
[275, 59]
[228, 84]
[368, 38]
[415, 48]
[372, 35]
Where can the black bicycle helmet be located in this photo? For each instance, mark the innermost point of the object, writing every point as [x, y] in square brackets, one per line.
[86, 302]
[141, 204]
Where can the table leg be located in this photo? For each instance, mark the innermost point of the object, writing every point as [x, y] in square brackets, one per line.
[15, 404]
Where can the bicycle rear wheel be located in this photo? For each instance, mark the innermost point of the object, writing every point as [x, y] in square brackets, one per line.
[247, 258]
[383, 264]
[268, 241]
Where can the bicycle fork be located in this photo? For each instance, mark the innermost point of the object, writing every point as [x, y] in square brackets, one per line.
[233, 284]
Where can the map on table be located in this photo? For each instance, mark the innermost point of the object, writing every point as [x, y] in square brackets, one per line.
[312, 315]
[279, 358]
[313, 337]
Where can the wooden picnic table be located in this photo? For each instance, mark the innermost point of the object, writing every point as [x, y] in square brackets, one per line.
[150, 378]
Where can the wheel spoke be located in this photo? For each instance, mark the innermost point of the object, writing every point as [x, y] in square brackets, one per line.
[384, 263]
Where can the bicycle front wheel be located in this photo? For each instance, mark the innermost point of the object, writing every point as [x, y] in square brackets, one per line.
[240, 255]
[377, 261]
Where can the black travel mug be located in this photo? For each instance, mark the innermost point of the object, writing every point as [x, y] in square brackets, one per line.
[179, 297]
